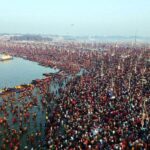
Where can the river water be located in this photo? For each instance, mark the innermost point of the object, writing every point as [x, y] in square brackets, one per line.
[20, 71]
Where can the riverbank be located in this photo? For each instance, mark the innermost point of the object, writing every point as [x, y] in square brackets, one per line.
[21, 72]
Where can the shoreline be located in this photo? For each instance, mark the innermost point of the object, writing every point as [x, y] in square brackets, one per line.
[24, 86]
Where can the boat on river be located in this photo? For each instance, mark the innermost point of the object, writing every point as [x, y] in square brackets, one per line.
[4, 57]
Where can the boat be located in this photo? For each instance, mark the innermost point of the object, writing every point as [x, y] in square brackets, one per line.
[4, 57]
[47, 74]
[1, 91]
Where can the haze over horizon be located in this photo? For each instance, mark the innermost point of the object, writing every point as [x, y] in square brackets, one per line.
[92, 17]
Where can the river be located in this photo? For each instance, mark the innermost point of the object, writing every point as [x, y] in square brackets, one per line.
[20, 71]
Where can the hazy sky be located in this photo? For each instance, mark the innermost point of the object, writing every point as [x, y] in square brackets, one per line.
[76, 17]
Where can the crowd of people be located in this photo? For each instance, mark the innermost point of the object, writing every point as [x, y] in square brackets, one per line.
[22, 117]
[105, 107]
[52, 55]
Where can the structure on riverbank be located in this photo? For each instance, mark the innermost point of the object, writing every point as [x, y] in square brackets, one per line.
[4, 57]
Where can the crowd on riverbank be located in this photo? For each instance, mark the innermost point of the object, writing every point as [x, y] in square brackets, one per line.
[105, 108]
[55, 56]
